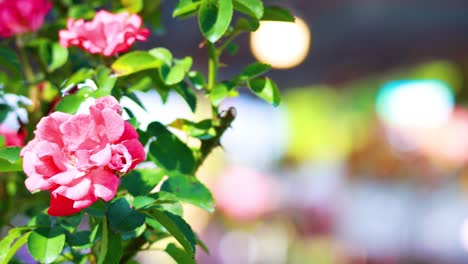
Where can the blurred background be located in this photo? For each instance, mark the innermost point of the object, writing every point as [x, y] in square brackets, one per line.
[365, 160]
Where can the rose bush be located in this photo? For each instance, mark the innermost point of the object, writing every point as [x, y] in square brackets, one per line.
[87, 197]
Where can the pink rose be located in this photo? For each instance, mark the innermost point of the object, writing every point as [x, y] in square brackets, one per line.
[21, 16]
[77, 157]
[12, 137]
[107, 34]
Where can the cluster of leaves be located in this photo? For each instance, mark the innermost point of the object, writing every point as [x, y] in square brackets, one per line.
[138, 216]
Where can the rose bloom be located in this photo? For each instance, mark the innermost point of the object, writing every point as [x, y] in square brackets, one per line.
[107, 34]
[12, 137]
[22, 16]
[77, 157]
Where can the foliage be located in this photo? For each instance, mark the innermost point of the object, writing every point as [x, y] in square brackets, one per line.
[55, 78]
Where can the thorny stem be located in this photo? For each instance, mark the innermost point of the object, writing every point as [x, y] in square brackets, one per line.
[225, 120]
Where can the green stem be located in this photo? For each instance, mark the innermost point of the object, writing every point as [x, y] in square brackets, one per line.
[27, 69]
[227, 42]
[104, 241]
[212, 66]
[33, 92]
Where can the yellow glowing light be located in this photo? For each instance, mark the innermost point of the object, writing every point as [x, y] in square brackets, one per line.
[281, 44]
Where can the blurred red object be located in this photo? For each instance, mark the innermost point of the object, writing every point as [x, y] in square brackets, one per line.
[12, 137]
[245, 194]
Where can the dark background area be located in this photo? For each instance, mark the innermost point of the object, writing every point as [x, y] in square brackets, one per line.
[349, 39]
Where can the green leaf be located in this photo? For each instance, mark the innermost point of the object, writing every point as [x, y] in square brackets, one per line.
[58, 57]
[45, 244]
[134, 233]
[186, 8]
[104, 243]
[10, 159]
[111, 246]
[245, 24]
[251, 71]
[142, 202]
[80, 239]
[169, 152]
[152, 14]
[14, 248]
[179, 255]
[114, 252]
[161, 200]
[134, 62]
[252, 8]
[276, 13]
[7, 243]
[197, 79]
[6, 166]
[10, 61]
[40, 220]
[81, 11]
[70, 222]
[219, 92]
[164, 201]
[214, 17]
[70, 103]
[133, 6]
[136, 100]
[78, 77]
[189, 96]
[105, 82]
[178, 228]
[163, 54]
[167, 202]
[185, 63]
[142, 181]
[11, 154]
[157, 129]
[171, 75]
[202, 130]
[266, 89]
[202, 245]
[190, 190]
[97, 209]
[4, 111]
[122, 217]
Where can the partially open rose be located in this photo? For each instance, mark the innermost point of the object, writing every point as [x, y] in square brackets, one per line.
[107, 34]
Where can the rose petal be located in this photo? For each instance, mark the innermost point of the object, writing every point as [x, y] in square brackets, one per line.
[75, 190]
[105, 184]
[136, 150]
[61, 206]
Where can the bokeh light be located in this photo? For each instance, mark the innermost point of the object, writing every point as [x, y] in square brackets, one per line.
[448, 144]
[415, 103]
[281, 44]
